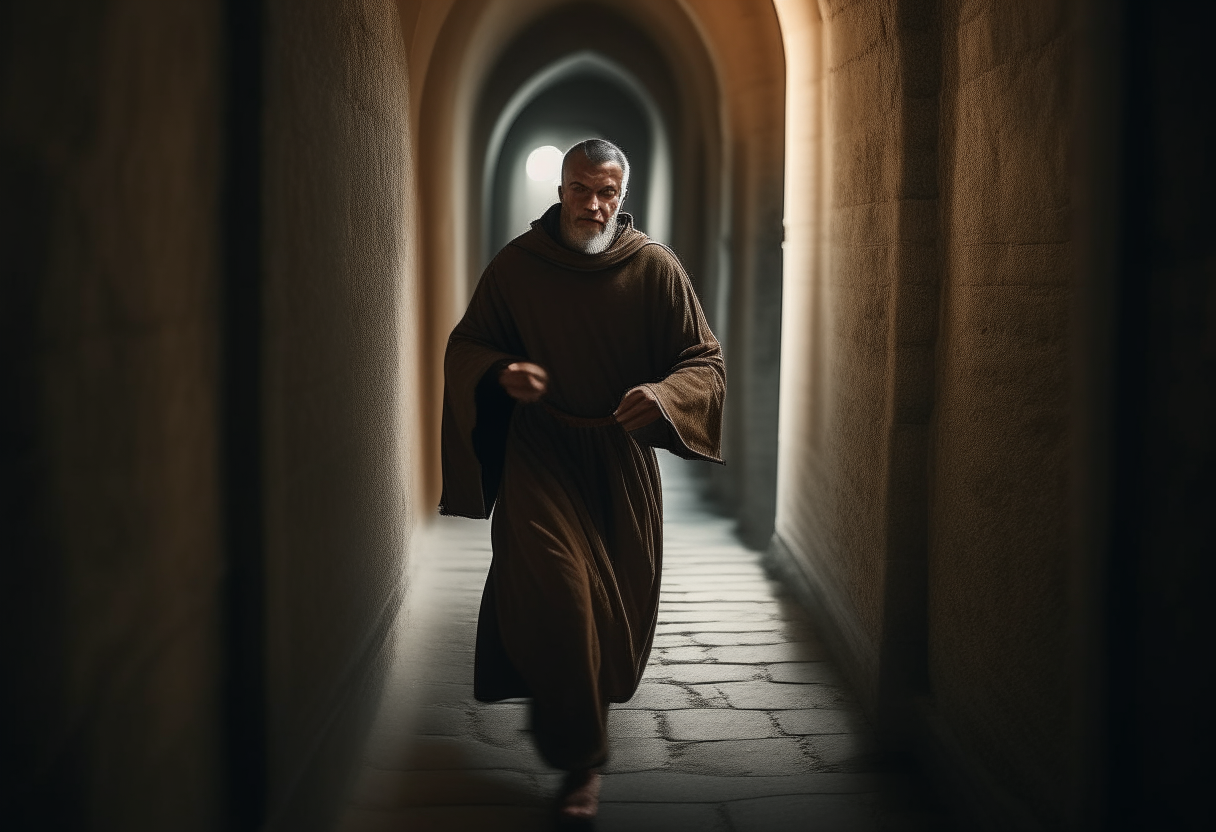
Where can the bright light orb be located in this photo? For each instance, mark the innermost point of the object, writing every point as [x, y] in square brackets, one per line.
[545, 164]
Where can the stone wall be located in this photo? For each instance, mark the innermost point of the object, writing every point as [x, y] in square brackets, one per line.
[924, 481]
[339, 355]
[198, 601]
[110, 182]
[999, 537]
[860, 310]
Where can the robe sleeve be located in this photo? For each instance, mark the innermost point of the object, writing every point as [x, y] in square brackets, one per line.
[476, 410]
[693, 389]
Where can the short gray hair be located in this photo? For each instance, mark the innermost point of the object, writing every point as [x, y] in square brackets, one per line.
[601, 152]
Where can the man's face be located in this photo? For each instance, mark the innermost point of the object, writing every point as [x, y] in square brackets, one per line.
[591, 196]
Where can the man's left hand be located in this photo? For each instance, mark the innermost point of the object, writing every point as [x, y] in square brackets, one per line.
[638, 408]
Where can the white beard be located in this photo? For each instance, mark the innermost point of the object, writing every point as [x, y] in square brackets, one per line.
[598, 242]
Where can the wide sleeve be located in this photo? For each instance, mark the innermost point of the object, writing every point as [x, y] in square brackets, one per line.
[476, 410]
[692, 389]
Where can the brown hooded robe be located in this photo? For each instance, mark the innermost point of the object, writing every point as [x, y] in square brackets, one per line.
[570, 604]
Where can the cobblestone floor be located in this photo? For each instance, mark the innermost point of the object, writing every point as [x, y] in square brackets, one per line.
[741, 723]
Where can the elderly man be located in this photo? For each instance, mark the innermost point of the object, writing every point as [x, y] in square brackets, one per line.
[583, 349]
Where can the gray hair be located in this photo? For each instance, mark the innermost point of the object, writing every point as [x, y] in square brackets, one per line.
[601, 152]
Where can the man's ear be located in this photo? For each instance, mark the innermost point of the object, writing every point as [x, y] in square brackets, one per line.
[559, 193]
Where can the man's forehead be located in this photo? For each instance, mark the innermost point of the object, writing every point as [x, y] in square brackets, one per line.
[584, 170]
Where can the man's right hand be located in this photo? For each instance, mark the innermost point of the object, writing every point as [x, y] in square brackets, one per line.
[524, 381]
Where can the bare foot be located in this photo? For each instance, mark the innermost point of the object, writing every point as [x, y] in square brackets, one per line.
[580, 795]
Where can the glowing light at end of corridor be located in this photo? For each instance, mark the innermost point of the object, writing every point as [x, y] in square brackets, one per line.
[545, 164]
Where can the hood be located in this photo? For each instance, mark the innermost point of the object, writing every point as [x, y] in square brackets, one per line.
[542, 241]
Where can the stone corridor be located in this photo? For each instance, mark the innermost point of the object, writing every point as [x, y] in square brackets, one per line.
[741, 722]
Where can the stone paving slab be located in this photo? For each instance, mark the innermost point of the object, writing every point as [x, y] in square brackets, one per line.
[696, 615]
[765, 625]
[659, 696]
[448, 819]
[792, 813]
[706, 724]
[771, 696]
[794, 651]
[659, 787]
[701, 673]
[746, 758]
[642, 754]
[802, 672]
[741, 722]
[633, 724]
[663, 817]
[821, 721]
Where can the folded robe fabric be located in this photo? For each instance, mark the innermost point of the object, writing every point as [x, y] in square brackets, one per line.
[570, 603]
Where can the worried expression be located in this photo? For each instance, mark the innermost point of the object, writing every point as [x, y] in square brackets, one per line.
[591, 195]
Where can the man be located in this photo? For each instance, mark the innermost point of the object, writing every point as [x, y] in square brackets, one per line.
[583, 348]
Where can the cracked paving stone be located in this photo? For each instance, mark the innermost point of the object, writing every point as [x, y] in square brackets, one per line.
[707, 724]
[759, 615]
[693, 674]
[642, 754]
[695, 628]
[792, 651]
[624, 724]
[658, 696]
[743, 758]
[822, 721]
[771, 696]
[688, 655]
[823, 673]
[669, 640]
[732, 639]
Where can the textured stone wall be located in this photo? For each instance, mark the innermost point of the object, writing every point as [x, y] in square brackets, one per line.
[923, 498]
[339, 353]
[110, 171]
[998, 587]
[860, 235]
[118, 629]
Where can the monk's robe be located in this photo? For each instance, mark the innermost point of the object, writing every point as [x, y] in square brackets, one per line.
[569, 609]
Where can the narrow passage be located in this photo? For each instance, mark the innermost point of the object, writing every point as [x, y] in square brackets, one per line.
[741, 723]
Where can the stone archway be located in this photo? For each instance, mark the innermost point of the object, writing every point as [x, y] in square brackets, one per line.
[583, 95]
